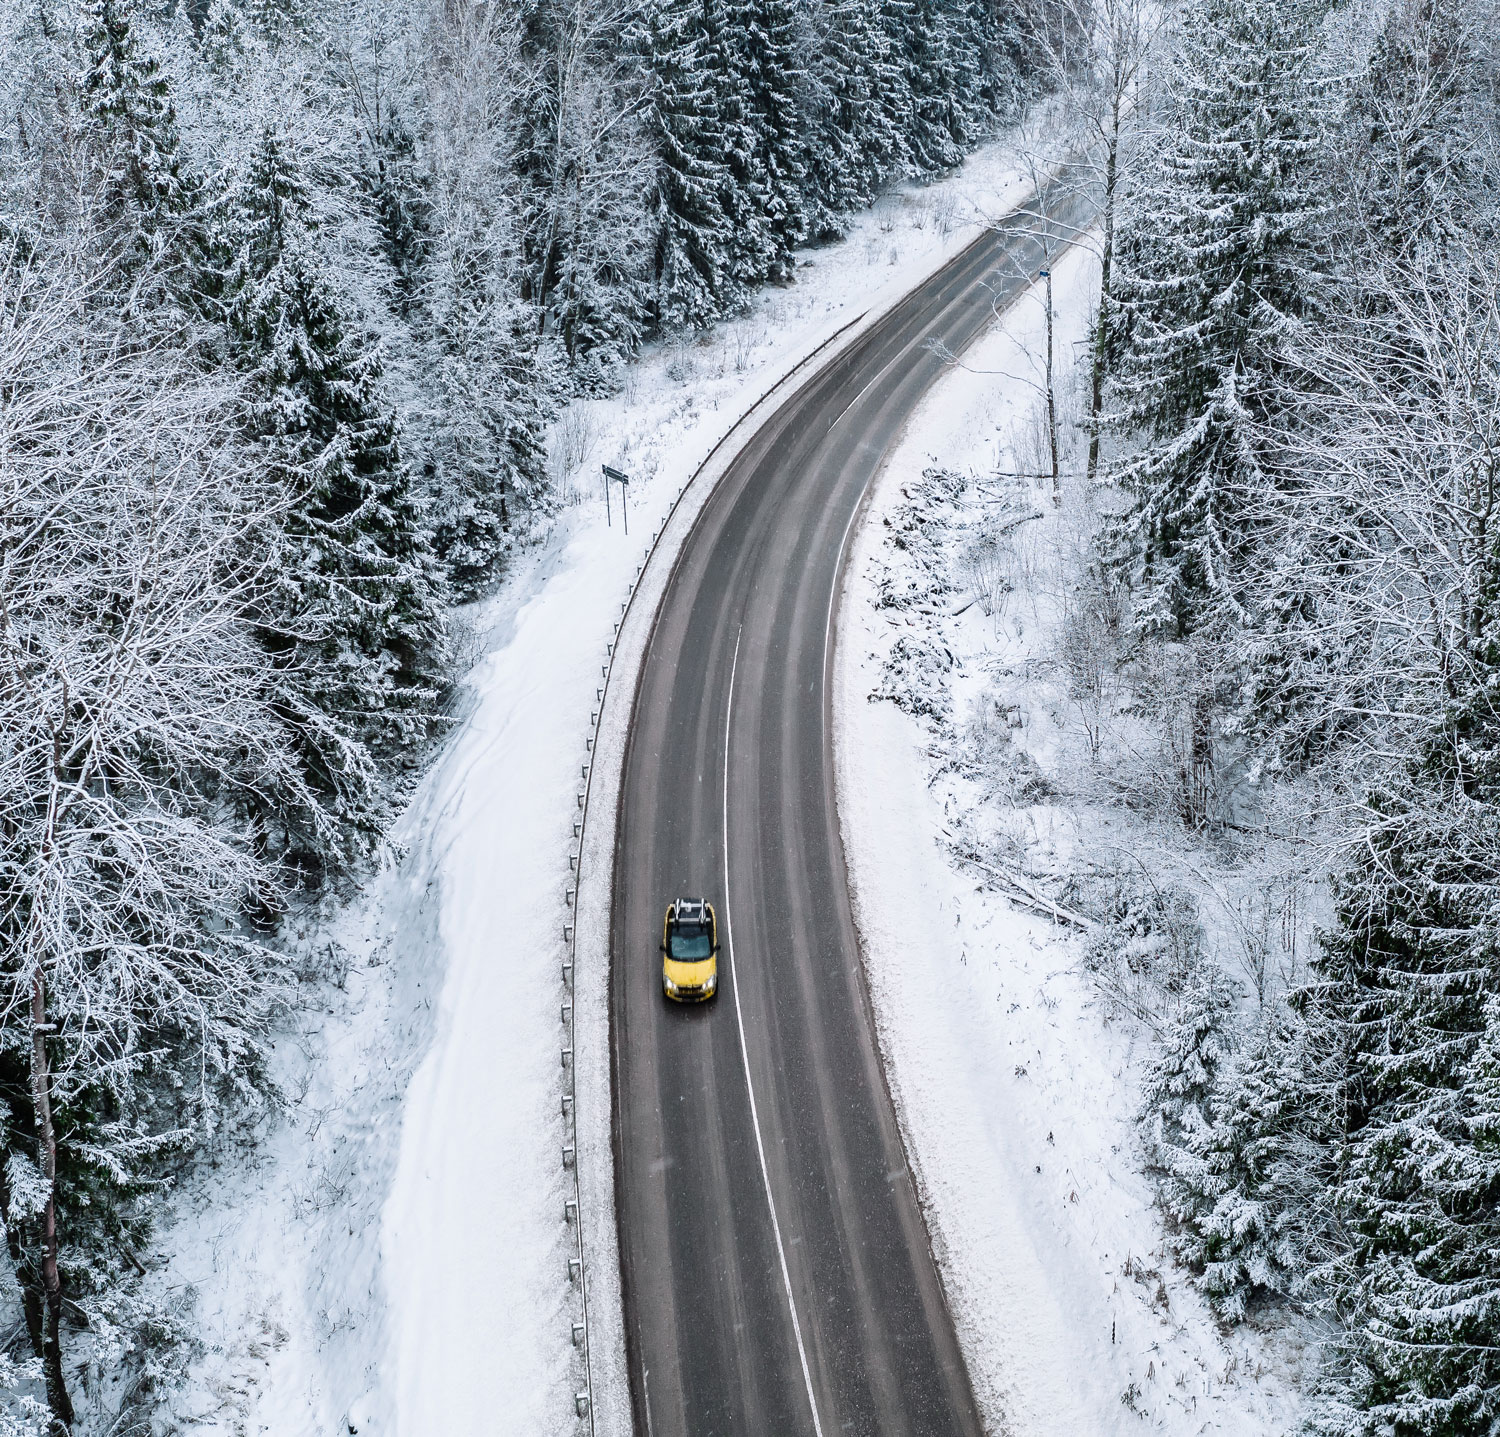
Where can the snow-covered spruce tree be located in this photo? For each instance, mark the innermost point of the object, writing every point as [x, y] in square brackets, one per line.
[1239, 1129]
[755, 47]
[1213, 263]
[587, 168]
[976, 70]
[1246, 1186]
[1465, 1315]
[280, 22]
[1016, 39]
[485, 391]
[483, 439]
[854, 144]
[138, 745]
[225, 39]
[398, 192]
[1198, 1041]
[1414, 133]
[1408, 978]
[941, 49]
[355, 633]
[130, 126]
[691, 284]
[485, 379]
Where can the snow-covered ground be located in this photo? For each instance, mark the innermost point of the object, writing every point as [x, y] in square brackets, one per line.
[391, 1256]
[1016, 1090]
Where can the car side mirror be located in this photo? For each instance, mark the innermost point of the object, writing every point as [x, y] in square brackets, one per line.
[662, 947]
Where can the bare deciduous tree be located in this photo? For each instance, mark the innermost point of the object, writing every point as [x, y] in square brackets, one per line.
[1382, 531]
[134, 741]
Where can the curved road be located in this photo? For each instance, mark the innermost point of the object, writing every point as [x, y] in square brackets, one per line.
[777, 1273]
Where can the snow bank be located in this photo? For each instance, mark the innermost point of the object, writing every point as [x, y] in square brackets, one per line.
[1016, 1096]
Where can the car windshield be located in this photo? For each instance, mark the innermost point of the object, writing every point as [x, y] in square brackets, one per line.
[690, 943]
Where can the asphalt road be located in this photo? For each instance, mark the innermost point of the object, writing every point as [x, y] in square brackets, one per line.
[778, 1277]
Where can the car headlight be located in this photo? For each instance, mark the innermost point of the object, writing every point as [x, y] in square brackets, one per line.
[669, 985]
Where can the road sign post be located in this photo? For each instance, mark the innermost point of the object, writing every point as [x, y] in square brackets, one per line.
[622, 480]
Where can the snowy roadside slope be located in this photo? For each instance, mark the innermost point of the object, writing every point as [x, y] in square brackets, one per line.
[393, 1257]
[1016, 1097]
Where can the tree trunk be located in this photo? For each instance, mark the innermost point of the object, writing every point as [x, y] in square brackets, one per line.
[1052, 397]
[46, 1137]
[1102, 319]
[1200, 760]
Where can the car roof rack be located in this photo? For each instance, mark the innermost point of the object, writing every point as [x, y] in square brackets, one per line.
[690, 910]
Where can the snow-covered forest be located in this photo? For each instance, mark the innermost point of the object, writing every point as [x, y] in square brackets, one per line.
[291, 291]
[1259, 613]
[1301, 333]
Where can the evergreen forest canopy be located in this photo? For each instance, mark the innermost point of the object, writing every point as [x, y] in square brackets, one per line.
[289, 292]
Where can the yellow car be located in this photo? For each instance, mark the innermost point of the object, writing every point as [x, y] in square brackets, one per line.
[690, 951]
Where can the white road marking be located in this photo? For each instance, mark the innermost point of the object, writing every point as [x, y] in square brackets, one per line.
[879, 374]
[838, 576]
[760, 1145]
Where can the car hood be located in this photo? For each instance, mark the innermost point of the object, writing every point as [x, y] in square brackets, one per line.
[689, 975]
